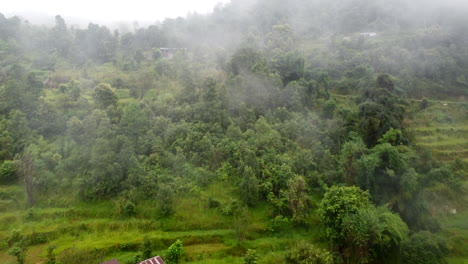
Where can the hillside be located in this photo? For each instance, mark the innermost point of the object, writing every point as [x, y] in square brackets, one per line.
[299, 132]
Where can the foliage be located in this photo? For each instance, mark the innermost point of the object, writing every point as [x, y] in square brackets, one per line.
[372, 234]
[337, 203]
[424, 247]
[298, 200]
[241, 224]
[8, 172]
[386, 171]
[145, 251]
[175, 252]
[165, 199]
[105, 96]
[251, 257]
[19, 253]
[305, 253]
[248, 187]
[381, 111]
[18, 246]
[126, 208]
[51, 256]
[271, 103]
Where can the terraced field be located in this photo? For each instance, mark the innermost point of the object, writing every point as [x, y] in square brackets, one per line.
[446, 143]
[93, 231]
[442, 129]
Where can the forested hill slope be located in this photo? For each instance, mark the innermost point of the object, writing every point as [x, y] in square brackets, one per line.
[288, 131]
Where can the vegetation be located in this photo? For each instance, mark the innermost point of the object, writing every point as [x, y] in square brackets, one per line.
[293, 135]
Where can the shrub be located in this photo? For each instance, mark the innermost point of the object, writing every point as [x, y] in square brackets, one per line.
[424, 248]
[165, 197]
[126, 208]
[278, 223]
[305, 253]
[213, 203]
[8, 172]
[19, 253]
[175, 252]
[424, 103]
[251, 257]
[51, 256]
[129, 209]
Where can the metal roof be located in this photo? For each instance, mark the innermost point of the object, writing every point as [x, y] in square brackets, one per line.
[155, 260]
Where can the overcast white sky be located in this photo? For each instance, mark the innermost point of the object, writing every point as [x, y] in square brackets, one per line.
[109, 10]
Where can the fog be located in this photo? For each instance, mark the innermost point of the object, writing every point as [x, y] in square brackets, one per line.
[185, 115]
[106, 11]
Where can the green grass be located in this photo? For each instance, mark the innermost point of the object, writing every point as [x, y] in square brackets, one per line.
[443, 130]
[207, 234]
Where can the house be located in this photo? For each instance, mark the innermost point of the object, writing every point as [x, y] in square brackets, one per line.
[368, 34]
[170, 52]
[155, 260]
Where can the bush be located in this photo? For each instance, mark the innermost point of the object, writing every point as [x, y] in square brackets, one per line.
[165, 197]
[8, 172]
[145, 252]
[129, 209]
[278, 223]
[175, 252]
[251, 257]
[230, 208]
[126, 208]
[424, 248]
[213, 203]
[424, 103]
[305, 253]
[51, 256]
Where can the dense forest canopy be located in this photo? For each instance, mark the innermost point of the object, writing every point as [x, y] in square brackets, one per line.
[305, 108]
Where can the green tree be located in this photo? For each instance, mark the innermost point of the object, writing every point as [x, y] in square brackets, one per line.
[134, 123]
[380, 111]
[248, 187]
[424, 248]
[386, 172]
[372, 234]
[298, 199]
[337, 203]
[105, 96]
[175, 252]
[351, 151]
[165, 199]
[27, 172]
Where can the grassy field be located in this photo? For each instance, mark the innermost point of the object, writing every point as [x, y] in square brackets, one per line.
[94, 230]
[442, 129]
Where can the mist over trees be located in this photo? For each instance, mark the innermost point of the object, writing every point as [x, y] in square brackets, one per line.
[302, 107]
